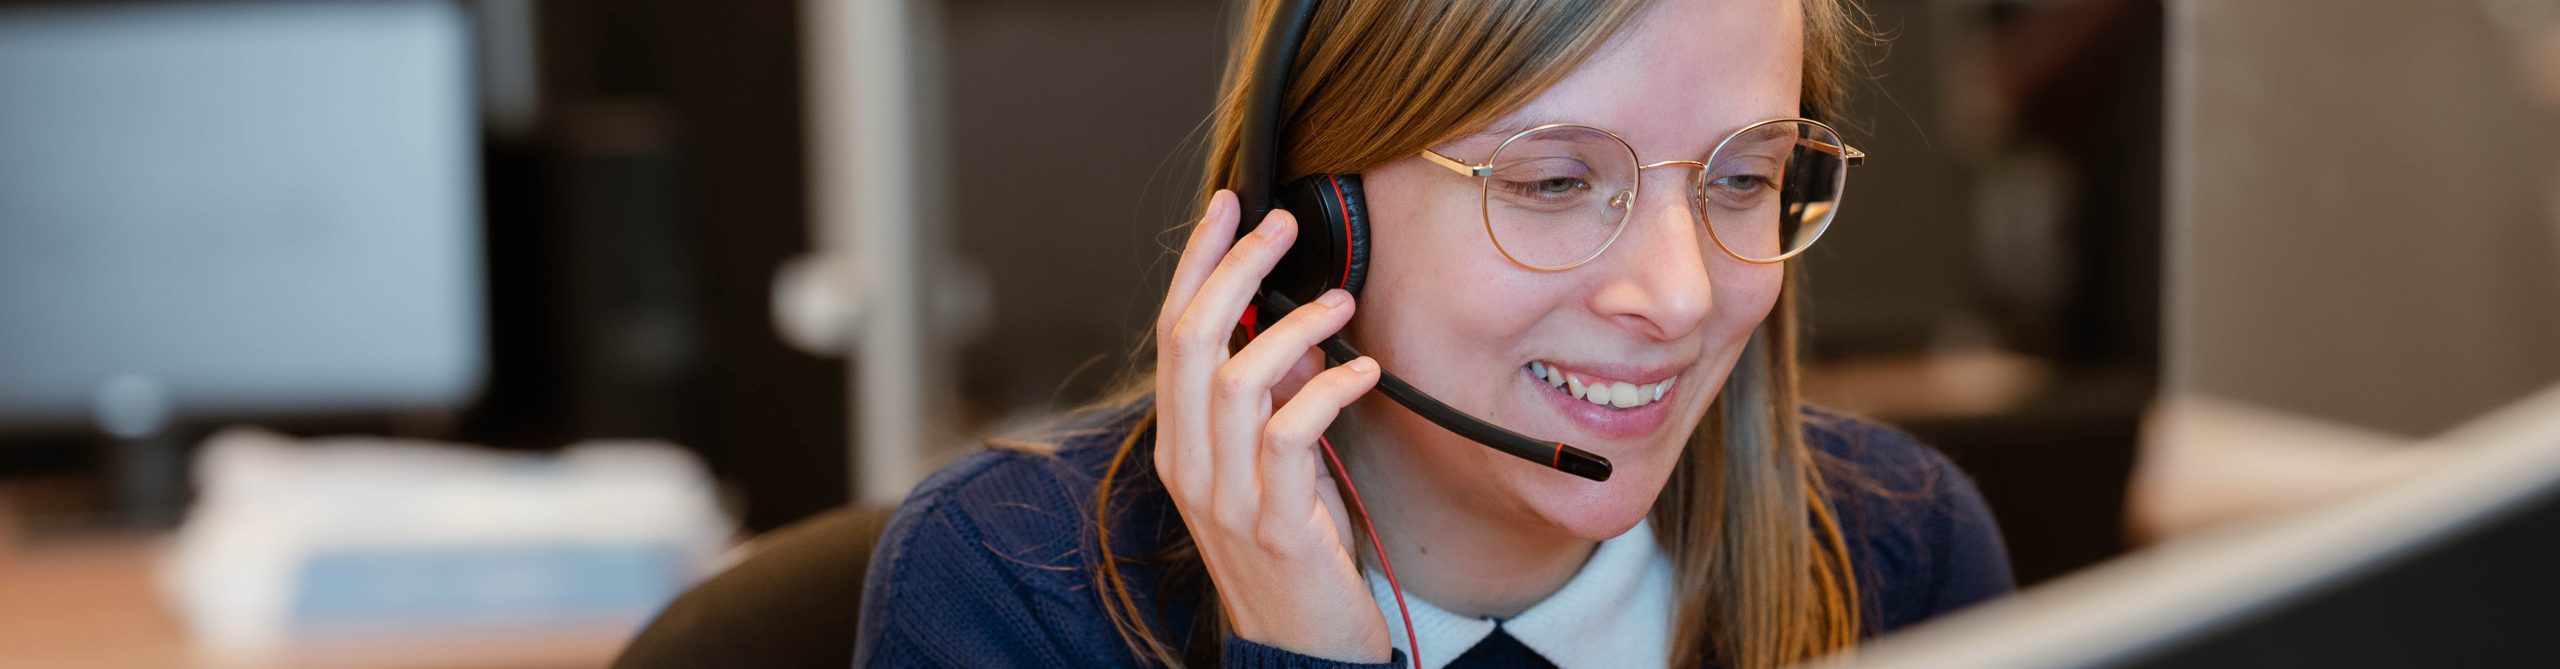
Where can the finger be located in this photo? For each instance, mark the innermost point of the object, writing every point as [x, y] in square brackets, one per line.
[1197, 352]
[1242, 389]
[1306, 368]
[1210, 237]
[1187, 354]
[1291, 468]
[1213, 310]
[1274, 353]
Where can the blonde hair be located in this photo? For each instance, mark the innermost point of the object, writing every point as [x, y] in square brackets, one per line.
[1762, 567]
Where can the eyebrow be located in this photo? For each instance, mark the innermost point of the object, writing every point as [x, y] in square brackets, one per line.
[1522, 122]
[1768, 133]
[1499, 130]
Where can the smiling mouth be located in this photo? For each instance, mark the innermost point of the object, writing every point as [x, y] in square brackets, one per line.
[1601, 392]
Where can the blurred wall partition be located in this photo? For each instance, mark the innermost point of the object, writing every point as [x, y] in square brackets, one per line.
[2363, 221]
[1072, 203]
[236, 208]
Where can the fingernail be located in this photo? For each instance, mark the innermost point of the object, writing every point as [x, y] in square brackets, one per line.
[1218, 203]
[1333, 298]
[1364, 365]
[1270, 225]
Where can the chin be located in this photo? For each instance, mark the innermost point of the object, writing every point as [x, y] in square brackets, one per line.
[1593, 510]
[1641, 464]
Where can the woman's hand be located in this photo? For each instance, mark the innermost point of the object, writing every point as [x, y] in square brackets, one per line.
[1247, 478]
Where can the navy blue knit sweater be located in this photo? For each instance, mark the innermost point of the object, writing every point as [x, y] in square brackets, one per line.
[988, 563]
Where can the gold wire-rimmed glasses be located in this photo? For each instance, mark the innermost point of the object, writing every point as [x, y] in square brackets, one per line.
[1558, 195]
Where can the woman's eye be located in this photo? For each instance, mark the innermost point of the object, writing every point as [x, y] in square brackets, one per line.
[1745, 170]
[1550, 188]
[1743, 183]
[1743, 186]
[1543, 181]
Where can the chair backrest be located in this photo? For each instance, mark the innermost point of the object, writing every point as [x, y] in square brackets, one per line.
[794, 603]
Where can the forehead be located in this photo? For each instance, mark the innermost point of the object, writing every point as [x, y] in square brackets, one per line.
[1678, 77]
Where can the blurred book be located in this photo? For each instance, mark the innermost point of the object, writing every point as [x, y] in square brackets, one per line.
[294, 540]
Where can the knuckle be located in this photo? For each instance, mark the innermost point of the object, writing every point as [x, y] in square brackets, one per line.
[1187, 342]
[1231, 519]
[1232, 382]
[1185, 335]
[1277, 436]
[1275, 539]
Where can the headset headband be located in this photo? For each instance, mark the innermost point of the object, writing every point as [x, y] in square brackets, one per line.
[1258, 155]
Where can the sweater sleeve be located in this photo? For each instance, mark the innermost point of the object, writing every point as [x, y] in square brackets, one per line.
[984, 566]
[943, 591]
[969, 573]
[1974, 564]
[1921, 538]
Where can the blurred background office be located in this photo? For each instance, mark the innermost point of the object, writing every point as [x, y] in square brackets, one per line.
[551, 304]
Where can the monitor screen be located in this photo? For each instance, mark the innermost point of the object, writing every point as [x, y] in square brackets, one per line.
[237, 207]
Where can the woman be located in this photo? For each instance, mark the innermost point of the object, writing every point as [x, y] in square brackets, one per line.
[1193, 521]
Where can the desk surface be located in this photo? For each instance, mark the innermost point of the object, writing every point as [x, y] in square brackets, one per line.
[80, 603]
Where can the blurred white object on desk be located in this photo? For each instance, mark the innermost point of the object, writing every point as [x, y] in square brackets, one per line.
[293, 540]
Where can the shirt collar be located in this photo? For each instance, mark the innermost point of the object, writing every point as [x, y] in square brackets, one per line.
[1615, 612]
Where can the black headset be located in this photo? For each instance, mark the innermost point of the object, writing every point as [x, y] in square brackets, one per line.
[1332, 249]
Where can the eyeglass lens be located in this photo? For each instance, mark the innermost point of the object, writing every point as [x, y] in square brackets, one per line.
[1558, 196]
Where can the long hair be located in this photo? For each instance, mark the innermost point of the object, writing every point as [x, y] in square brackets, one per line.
[1762, 568]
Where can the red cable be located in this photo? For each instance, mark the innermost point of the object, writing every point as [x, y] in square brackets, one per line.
[1411, 642]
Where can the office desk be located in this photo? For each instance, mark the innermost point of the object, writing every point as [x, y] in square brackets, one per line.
[93, 602]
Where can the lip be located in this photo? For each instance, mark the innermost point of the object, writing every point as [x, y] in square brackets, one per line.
[1610, 422]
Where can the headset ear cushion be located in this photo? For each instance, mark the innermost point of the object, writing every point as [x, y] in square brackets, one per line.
[1354, 206]
[1332, 250]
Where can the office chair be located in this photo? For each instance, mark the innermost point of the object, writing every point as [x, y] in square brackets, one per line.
[794, 603]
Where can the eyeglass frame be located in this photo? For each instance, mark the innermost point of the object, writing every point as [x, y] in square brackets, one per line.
[1483, 173]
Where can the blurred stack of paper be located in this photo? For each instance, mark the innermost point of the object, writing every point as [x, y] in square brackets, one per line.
[293, 539]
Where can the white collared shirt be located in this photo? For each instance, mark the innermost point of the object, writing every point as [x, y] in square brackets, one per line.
[1616, 612]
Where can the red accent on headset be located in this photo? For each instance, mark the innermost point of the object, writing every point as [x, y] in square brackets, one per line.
[1558, 463]
[1348, 243]
[1249, 322]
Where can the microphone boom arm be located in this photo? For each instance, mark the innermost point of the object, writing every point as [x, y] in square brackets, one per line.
[1552, 454]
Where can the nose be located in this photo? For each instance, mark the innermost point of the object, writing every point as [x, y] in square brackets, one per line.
[1653, 281]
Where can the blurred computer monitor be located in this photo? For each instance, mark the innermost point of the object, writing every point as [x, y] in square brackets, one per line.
[236, 208]
[2451, 568]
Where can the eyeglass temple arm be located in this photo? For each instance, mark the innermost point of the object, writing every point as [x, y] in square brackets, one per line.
[1455, 165]
[1846, 152]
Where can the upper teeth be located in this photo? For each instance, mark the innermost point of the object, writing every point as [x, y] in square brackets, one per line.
[1619, 394]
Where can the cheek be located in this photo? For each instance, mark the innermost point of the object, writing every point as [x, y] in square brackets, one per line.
[1437, 289]
[1744, 295]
